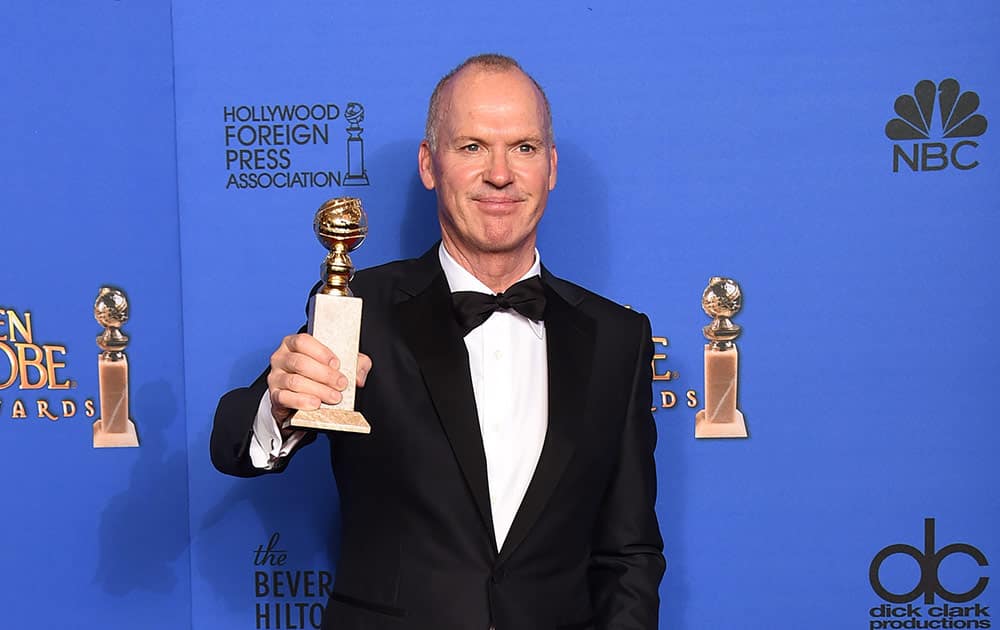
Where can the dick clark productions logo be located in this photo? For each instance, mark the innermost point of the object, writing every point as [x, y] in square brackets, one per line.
[929, 586]
[918, 121]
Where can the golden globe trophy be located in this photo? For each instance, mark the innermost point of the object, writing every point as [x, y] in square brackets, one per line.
[335, 314]
[114, 427]
[720, 418]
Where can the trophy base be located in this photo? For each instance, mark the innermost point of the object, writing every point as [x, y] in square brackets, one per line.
[335, 321]
[127, 438]
[327, 419]
[355, 180]
[736, 427]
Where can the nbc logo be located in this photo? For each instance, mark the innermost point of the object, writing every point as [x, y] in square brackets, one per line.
[956, 111]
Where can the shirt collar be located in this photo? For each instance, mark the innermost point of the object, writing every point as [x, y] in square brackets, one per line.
[460, 279]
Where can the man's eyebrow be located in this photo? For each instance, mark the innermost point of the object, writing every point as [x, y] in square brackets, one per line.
[531, 137]
[461, 141]
[525, 139]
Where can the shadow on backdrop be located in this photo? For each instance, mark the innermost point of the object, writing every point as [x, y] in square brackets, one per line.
[419, 228]
[573, 239]
[300, 504]
[144, 530]
[405, 208]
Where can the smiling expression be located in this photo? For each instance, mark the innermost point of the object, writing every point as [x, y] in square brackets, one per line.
[493, 164]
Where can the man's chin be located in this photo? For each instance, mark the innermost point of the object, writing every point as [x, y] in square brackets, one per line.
[489, 248]
[505, 245]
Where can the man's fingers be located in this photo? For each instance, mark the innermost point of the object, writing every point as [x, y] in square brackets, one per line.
[285, 399]
[298, 384]
[364, 367]
[310, 368]
[305, 373]
[304, 343]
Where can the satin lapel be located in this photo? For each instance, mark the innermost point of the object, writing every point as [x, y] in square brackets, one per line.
[569, 349]
[429, 328]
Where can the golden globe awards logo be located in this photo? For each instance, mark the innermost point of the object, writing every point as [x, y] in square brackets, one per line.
[317, 145]
[27, 366]
[939, 607]
[940, 111]
[287, 598]
[666, 394]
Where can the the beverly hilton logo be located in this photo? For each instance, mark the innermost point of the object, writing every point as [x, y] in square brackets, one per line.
[294, 146]
[955, 117]
[286, 594]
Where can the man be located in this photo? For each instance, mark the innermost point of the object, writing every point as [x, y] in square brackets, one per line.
[508, 480]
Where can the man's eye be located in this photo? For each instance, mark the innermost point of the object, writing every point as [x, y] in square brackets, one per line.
[471, 148]
[526, 148]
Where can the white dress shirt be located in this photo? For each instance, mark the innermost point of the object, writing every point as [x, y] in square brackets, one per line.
[509, 367]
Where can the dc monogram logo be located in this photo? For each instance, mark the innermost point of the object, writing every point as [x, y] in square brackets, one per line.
[918, 115]
[929, 560]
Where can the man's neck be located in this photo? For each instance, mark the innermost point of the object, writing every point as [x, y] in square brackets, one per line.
[497, 271]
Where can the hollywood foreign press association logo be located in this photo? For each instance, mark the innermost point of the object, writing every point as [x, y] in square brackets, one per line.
[957, 609]
[299, 145]
[941, 112]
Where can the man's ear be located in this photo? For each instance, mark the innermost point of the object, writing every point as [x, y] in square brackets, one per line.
[553, 166]
[425, 164]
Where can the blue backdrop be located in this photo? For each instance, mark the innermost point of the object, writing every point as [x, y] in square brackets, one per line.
[178, 150]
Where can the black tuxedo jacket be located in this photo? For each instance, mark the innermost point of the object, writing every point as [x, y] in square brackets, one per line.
[418, 549]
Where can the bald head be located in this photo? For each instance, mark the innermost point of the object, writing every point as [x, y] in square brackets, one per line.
[489, 63]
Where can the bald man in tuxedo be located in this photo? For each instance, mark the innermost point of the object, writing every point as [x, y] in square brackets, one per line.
[508, 481]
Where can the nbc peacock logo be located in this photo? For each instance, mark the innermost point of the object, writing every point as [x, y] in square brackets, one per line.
[955, 117]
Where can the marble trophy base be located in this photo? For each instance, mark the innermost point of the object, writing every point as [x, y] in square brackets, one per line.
[106, 439]
[720, 418]
[335, 321]
[114, 428]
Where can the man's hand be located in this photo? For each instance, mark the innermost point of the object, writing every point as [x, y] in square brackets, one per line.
[305, 373]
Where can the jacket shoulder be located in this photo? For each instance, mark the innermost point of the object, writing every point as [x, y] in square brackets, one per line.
[595, 305]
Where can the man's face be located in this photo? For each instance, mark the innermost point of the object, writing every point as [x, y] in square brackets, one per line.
[493, 166]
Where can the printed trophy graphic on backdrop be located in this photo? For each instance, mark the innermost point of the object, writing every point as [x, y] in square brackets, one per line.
[720, 418]
[114, 427]
[335, 314]
[356, 174]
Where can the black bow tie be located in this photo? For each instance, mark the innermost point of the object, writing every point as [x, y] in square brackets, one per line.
[472, 308]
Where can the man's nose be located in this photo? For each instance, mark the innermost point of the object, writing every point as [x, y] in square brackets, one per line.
[498, 170]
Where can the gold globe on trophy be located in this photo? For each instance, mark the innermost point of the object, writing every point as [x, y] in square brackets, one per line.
[341, 226]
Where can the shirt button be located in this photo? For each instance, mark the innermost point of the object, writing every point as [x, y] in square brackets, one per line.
[498, 354]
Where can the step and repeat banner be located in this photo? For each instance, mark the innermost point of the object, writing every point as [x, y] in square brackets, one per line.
[826, 177]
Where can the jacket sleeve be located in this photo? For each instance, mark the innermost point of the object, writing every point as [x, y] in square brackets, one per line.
[232, 431]
[627, 561]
